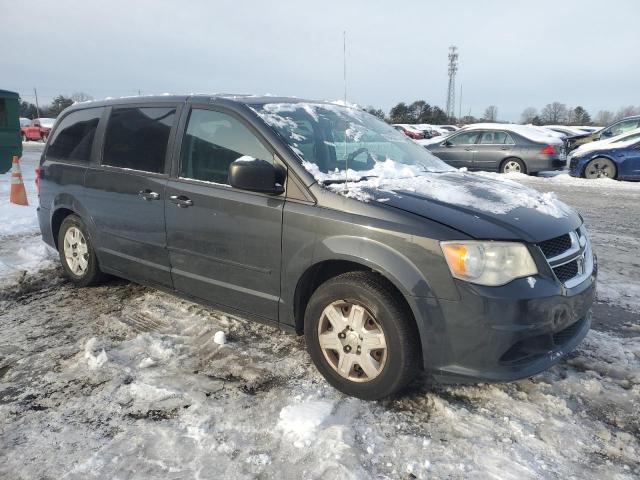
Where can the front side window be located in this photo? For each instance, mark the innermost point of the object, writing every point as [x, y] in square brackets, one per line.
[465, 138]
[73, 138]
[496, 138]
[137, 138]
[212, 141]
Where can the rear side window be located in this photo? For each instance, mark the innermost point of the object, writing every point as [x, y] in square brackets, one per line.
[214, 140]
[137, 138]
[496, 138]
[73, 138]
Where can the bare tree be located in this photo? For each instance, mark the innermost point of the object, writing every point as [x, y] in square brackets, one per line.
[81, 97]
[554, 113]
[528, 114]
[491, 113]
[627, 111]
[603, 117]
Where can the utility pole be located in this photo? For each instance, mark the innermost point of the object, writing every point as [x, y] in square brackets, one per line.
[460, 104]
[451, 90]
[37, 106]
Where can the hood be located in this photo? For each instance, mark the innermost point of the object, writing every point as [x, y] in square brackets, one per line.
[480, 205]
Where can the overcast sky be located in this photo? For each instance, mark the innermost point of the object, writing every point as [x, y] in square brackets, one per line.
[512, 54]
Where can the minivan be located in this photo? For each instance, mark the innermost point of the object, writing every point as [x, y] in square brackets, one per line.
[323, 220]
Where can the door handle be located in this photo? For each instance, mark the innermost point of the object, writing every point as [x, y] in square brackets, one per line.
[181, 201]
[148, 195]
[468, 149]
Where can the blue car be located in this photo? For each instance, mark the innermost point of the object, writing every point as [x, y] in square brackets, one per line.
[621, 162]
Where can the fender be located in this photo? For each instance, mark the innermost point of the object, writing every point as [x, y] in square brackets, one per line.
[70, 202]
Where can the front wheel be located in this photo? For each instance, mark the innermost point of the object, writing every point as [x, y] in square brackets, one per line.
[513, 165]
[361, 338]
[600, 168]
[77, 255]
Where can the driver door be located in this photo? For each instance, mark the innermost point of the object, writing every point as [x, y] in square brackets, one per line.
[458, 150]
[224, 244]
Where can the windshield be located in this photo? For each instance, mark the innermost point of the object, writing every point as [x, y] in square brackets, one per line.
[331, 138]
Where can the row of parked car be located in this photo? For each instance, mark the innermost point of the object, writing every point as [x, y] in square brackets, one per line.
[36, 129]
[588, 152]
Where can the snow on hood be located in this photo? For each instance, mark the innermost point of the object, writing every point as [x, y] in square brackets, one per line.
[614, 142]
[492, 195]
[532, 133]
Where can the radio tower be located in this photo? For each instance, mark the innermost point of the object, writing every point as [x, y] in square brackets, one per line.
[451, 91]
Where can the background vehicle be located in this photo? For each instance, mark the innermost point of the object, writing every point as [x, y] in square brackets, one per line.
[411, 131]
[615, 159]
[502, 148]
[213, 198]
[565, 130]
[450, 128]
[24, 122]
[9, 129]
[603, 144]
[38, 129]
[616, 128]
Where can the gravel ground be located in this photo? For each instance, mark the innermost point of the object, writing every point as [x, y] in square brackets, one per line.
[122, 381]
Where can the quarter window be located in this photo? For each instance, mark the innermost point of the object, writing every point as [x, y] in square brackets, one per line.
[466, 138]
[137, 138]
[213, 141]
[73, 138]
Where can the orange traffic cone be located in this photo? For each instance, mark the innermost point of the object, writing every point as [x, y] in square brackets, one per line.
[18, 193]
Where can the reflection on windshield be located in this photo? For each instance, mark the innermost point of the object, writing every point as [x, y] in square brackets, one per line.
[331, 138]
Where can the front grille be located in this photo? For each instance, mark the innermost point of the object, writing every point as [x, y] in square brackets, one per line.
[567, 271]
[555, 246]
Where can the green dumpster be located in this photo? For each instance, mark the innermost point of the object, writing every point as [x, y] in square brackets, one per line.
[10, 140]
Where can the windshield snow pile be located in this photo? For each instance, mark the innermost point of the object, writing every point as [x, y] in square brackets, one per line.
[356, 155]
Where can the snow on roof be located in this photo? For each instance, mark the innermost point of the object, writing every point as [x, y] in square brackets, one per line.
[532, 133]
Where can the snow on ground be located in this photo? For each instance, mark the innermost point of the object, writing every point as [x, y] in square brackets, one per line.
[121, 381]
[21, 247]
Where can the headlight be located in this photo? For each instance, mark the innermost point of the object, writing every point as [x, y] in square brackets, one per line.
[488, 263]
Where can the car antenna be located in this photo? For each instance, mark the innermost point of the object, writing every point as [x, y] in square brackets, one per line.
[344, 79]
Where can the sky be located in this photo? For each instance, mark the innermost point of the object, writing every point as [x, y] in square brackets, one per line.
[513, 54]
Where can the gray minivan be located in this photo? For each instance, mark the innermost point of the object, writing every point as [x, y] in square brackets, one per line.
[320, 219]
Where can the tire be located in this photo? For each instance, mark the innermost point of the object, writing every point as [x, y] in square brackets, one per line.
[369, 372]
[74, 242]
[600, 167]
[511, 165]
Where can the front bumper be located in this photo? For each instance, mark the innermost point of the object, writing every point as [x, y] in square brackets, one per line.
[498, 334]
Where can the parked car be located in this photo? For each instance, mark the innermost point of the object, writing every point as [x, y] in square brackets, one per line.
[411, 131]
[603, 144]
[243, 203]
[38, 129]
[618, 158]
[501, 147]
[613, 130]
[24, 122]
[450, 128]
[564, 130]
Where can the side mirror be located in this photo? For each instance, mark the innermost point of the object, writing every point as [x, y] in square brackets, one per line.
[447, 143]
[606, 133]
[256, 175]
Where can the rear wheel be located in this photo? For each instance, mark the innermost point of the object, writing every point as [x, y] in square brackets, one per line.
[600, 168]
[77, 256]
[361, 337]
[513, 165]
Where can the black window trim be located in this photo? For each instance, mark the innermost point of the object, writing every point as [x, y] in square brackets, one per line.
[168, 159]
[95, 145]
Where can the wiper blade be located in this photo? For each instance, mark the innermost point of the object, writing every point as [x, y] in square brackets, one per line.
[342, 180]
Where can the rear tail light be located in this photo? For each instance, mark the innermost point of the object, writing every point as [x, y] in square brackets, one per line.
[548, 150]
[38, 177]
